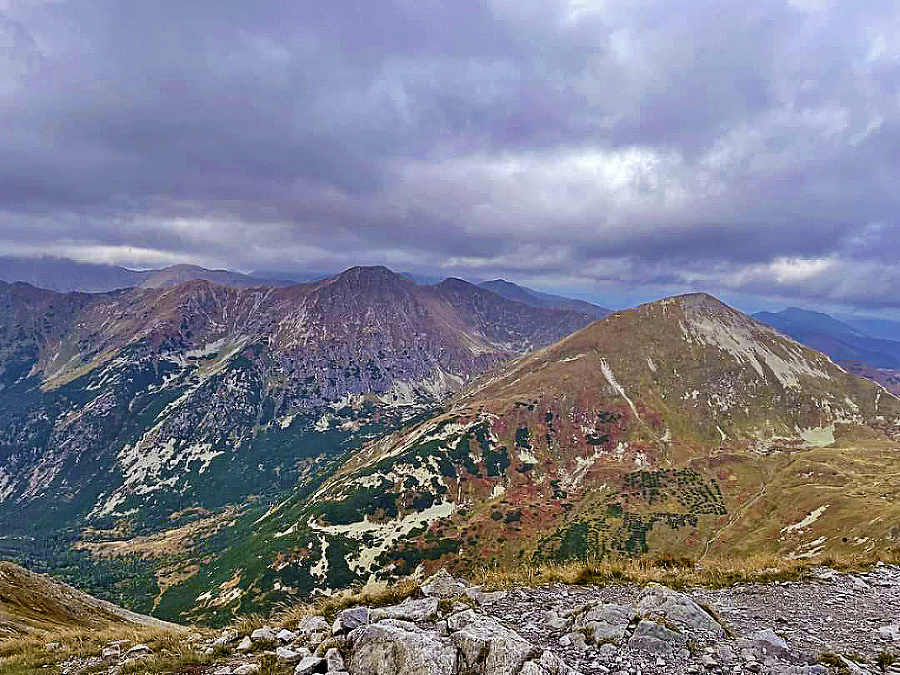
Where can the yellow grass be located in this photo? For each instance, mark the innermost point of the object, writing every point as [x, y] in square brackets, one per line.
[288, 617]
[27, 655]
[677, 573]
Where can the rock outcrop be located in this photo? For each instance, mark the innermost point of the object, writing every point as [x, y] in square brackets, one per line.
[562, 630]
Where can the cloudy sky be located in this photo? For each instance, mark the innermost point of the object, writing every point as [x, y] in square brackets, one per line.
[617, 149]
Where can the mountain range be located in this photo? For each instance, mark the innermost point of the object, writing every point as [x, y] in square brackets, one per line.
[196, 450]
[533, 298]
[116, 400]
[875, 356]
[63, 275]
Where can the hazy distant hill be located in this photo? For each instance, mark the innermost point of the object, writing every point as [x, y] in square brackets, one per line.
[59, 274]
[841, 341]
[179, 274]
[795, 320]
[62, 275]
[876, 328]
[534, 298]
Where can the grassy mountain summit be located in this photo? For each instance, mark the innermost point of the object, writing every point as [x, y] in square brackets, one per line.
[699, 369]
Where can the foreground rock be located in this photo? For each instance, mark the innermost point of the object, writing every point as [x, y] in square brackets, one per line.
[455, 629]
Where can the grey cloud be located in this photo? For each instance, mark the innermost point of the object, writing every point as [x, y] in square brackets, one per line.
[665, 144]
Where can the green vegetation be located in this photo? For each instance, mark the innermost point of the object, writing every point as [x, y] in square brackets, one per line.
[28, 656]
[624, 523]
[885, 660]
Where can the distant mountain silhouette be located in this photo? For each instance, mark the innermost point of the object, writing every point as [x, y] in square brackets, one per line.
[527, 296]
[63, 275]
[840, 340]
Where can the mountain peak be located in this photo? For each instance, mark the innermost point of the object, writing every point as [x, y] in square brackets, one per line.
[687, 302]
[454, 283]
[369, 272]
[699, 299]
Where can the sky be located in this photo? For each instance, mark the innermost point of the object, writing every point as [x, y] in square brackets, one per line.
[617, 150]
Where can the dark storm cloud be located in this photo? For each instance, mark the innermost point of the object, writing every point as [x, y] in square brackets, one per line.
[748, 147]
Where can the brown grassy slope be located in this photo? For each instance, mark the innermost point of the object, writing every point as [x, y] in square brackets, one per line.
[33, 604]
[678, 337]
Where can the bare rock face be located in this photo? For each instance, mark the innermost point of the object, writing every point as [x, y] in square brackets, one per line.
[485, 646]
[443, 585]
[477, 645]
[393, 647]
[654, 638]
[606, 623]
[351, 618]
[408, 610]
[679, 609]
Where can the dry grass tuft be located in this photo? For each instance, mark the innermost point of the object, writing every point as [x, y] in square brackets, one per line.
[29, 655]
[249, 623]
[678, 573]
[328, 607]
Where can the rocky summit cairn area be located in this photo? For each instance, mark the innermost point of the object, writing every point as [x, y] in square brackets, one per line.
[830, 623]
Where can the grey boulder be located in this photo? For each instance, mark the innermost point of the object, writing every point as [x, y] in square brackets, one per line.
[654, 638]
[392, 647]
[408, 610]
[444, 585]
[679, 609]
[605, 623]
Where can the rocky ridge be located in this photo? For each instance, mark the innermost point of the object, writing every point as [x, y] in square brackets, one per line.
[831, 623]
[152, 410]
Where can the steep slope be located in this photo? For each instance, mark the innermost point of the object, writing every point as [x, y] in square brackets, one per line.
[534, 298]
[658, 429]
[888, 378]
[37, 604]
[131, 408]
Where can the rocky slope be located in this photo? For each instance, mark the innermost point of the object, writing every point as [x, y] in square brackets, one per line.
[33, 604]
[831, 623]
